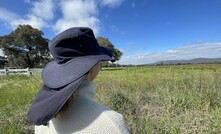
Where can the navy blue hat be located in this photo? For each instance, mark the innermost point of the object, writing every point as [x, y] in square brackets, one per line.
[75, 51]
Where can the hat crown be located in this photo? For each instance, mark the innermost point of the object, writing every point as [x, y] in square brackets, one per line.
[72, 43]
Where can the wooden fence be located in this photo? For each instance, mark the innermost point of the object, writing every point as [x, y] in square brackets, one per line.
[26, 71]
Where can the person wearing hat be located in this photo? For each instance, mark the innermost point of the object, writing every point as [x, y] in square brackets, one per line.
[65, 102]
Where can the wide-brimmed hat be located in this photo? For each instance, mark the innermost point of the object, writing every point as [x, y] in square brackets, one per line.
[75, 51]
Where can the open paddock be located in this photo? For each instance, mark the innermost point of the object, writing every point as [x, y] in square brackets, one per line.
[153, 99]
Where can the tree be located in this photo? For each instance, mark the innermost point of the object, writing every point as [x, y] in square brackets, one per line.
[105, 42]
[3, 61]
[25, 47]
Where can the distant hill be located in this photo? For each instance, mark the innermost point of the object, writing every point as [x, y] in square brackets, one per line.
[191, 61]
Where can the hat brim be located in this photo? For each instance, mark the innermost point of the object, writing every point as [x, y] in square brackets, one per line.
[49, 102]
[58, 75]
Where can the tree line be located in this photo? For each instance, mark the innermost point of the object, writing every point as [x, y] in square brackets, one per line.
[26, 47]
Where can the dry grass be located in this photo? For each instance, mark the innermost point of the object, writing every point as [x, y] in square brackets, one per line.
[167, 99]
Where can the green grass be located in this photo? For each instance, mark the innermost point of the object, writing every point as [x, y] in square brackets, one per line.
[16, 94]
[155, 99]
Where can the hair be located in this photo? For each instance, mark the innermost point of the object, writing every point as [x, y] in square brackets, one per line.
[67, 104]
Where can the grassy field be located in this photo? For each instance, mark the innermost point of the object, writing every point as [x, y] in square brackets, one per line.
[154, 99]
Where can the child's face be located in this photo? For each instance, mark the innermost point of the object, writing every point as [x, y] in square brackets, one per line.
[94, 72]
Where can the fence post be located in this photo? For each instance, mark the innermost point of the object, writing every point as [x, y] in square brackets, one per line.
[6, 71]
[28, 71]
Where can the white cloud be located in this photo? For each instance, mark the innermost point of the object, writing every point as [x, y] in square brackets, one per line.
[111, 3]
[114, 28]
[202, 50]
[32, 20]
[123, 33]
[7, 16]
[41, 11]
[41, 14]
[78, 13]
[133, 4]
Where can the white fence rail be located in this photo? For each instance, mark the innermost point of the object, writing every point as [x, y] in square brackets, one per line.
[25, 71]
[35, 70]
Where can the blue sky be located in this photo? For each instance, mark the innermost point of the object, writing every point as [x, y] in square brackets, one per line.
[145, 31]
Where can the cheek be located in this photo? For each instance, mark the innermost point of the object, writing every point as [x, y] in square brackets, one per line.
[96, 71]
